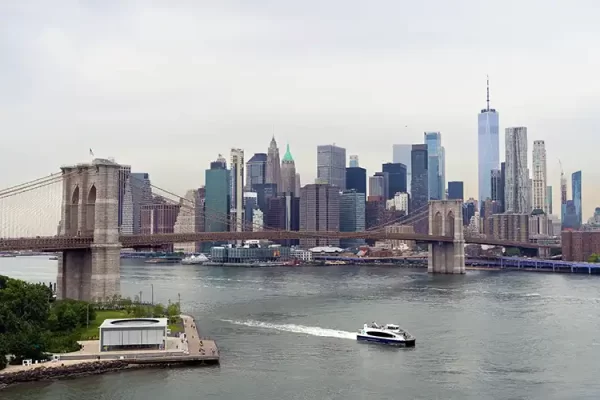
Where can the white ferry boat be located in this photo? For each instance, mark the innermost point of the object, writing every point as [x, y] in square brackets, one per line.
[195, 259]
[386, 334]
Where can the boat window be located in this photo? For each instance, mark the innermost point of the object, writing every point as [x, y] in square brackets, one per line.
[380, 334]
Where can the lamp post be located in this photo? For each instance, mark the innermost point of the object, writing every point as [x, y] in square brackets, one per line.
[152, 293]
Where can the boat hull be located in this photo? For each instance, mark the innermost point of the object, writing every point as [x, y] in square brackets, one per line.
[388, 341]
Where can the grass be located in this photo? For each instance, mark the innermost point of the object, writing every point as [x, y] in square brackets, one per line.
[101, 315]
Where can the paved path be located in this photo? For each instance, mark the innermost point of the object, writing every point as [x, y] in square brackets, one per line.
[197, 345]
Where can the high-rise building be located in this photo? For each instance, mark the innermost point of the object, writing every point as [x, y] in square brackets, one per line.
[141, 194]
[539, 179]
[273, 169]
[435, 165]
[256, 170]
[331, 165]
[125, 206]
[186, 221]
[420, 178]
[237, 189]
[159, 217]
[319, 211]
[396, 179]
[288, 173]
[353, 161]
[352, 215]
[250, 205]
[456, 190]
[488, 139]
[497, 187]
[298, 185]
[517, 191]
[549, 199]
[217, 197]
[377, 185]
[503, 187]
[399, 202]
[402, 154]
[577, 201]
[356, 178]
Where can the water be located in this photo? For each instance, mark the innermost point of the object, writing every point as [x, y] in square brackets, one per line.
[288, 333]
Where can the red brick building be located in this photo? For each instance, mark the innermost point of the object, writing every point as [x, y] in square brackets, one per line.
[580, 245]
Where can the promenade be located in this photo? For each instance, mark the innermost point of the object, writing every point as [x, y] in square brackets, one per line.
[196, 344]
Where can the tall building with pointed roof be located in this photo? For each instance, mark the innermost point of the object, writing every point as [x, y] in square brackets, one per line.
[488, 135]
[288, 173]
[273, 165]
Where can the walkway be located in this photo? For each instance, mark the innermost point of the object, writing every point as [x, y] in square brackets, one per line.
[197, 344]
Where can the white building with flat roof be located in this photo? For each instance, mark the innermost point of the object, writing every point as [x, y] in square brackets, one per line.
[133, 334]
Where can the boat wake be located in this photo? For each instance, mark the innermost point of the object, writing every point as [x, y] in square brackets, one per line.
[308, 330]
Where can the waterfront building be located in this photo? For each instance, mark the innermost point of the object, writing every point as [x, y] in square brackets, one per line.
[396, 179]
[288, 173]
[331, 165]
[352, 216]
[273, 169]
[577, 201]
[256, 170]
[132, 334]
[539, 176]
[319, 211]
[517, 191]
[402, 153]
[436, 165]
[356, 179]
[456, 190]
[488, 140]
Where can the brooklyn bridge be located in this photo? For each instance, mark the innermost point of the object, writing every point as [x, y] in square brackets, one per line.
[84, 214]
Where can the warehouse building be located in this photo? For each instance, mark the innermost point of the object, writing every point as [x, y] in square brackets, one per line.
[133, 334]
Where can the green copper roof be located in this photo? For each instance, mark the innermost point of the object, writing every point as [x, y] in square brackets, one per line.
[288, 155]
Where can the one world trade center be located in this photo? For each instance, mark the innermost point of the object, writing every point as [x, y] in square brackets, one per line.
[489, 152]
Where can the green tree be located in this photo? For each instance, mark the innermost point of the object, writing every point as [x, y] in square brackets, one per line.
[173, 311]
[159, 310]
[594, 258]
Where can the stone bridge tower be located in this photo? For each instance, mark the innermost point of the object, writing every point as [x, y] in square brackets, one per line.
[90, 208]
[446, 219]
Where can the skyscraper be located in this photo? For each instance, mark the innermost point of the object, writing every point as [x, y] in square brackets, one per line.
[353, 161]
[125, 217]
[273, 169]
[376, 185]
[319, 211]
[331, 165]
[356, 178]
[497, 187]
[352, 215]
[217, 196]
[141, 194]
[576, 188]
[517, 191]
[402, 154]
[456, 190]
[396, 179]
[288, 173]
[549, 199]
[539, 176]
[488, 147]
[256, 170]
[237, 188]
[436, 165]
[420, 177]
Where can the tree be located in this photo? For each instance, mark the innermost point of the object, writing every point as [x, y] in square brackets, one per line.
[594, 258]
[159, 310]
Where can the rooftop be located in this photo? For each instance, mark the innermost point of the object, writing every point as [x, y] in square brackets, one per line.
[134, 323]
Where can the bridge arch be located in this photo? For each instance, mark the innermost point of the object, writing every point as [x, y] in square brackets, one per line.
[437, 224]
[449, 231]
[90, 211]
[73, 213]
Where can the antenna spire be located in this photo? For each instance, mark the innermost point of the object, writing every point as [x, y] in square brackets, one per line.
[488, 92]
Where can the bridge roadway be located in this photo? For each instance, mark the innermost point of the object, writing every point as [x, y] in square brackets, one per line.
[58, 243]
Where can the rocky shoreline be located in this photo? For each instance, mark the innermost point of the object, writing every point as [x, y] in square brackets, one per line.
[61, 372]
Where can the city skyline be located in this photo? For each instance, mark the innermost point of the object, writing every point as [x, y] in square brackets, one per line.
[69, 88]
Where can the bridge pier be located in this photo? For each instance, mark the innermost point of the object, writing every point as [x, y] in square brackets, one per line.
[90, 207]
[446, 219]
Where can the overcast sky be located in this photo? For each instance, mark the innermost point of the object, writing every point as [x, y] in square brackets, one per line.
[168, 85]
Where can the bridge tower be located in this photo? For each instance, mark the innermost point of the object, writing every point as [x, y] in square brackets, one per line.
[90, 208]
[446, 219]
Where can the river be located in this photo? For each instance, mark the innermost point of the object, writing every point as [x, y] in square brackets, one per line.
[288, 333]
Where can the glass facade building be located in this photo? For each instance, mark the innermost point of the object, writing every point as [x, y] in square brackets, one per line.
[402, 154]
[217, 198]
[488, 140]
[436, 165]
[331, 165]
[576, 187]
[420, 177]
[396, 179]
[456, 190]
[352, 216]
[356, 178]
[256, 170]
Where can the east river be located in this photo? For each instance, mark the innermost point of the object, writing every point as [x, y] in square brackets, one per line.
[288, 333]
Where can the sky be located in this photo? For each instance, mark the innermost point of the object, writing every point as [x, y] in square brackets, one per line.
[167, 86]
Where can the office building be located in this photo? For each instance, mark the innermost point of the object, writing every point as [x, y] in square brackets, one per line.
[497, 187]
[402, 153]
[256, 170]
[273, 169]
[436, 165]
[577, 201]
[217, 197]
[400, 202]
[456, 190]
[420, 178]
[141, 194]
[331, 165]
[377, 185]
[319, 211]
[539, 179]
[250, 206]
[237, 189]
[159, 217]
[356, 179]
[488, 139]
[396, 175]
[125, 216]
[549, 199]
[353, 161]
[352, 216]
[288, 173]
[186, 221]
[517, 191]
[263, 193]
[298, 185]
[511, 227]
